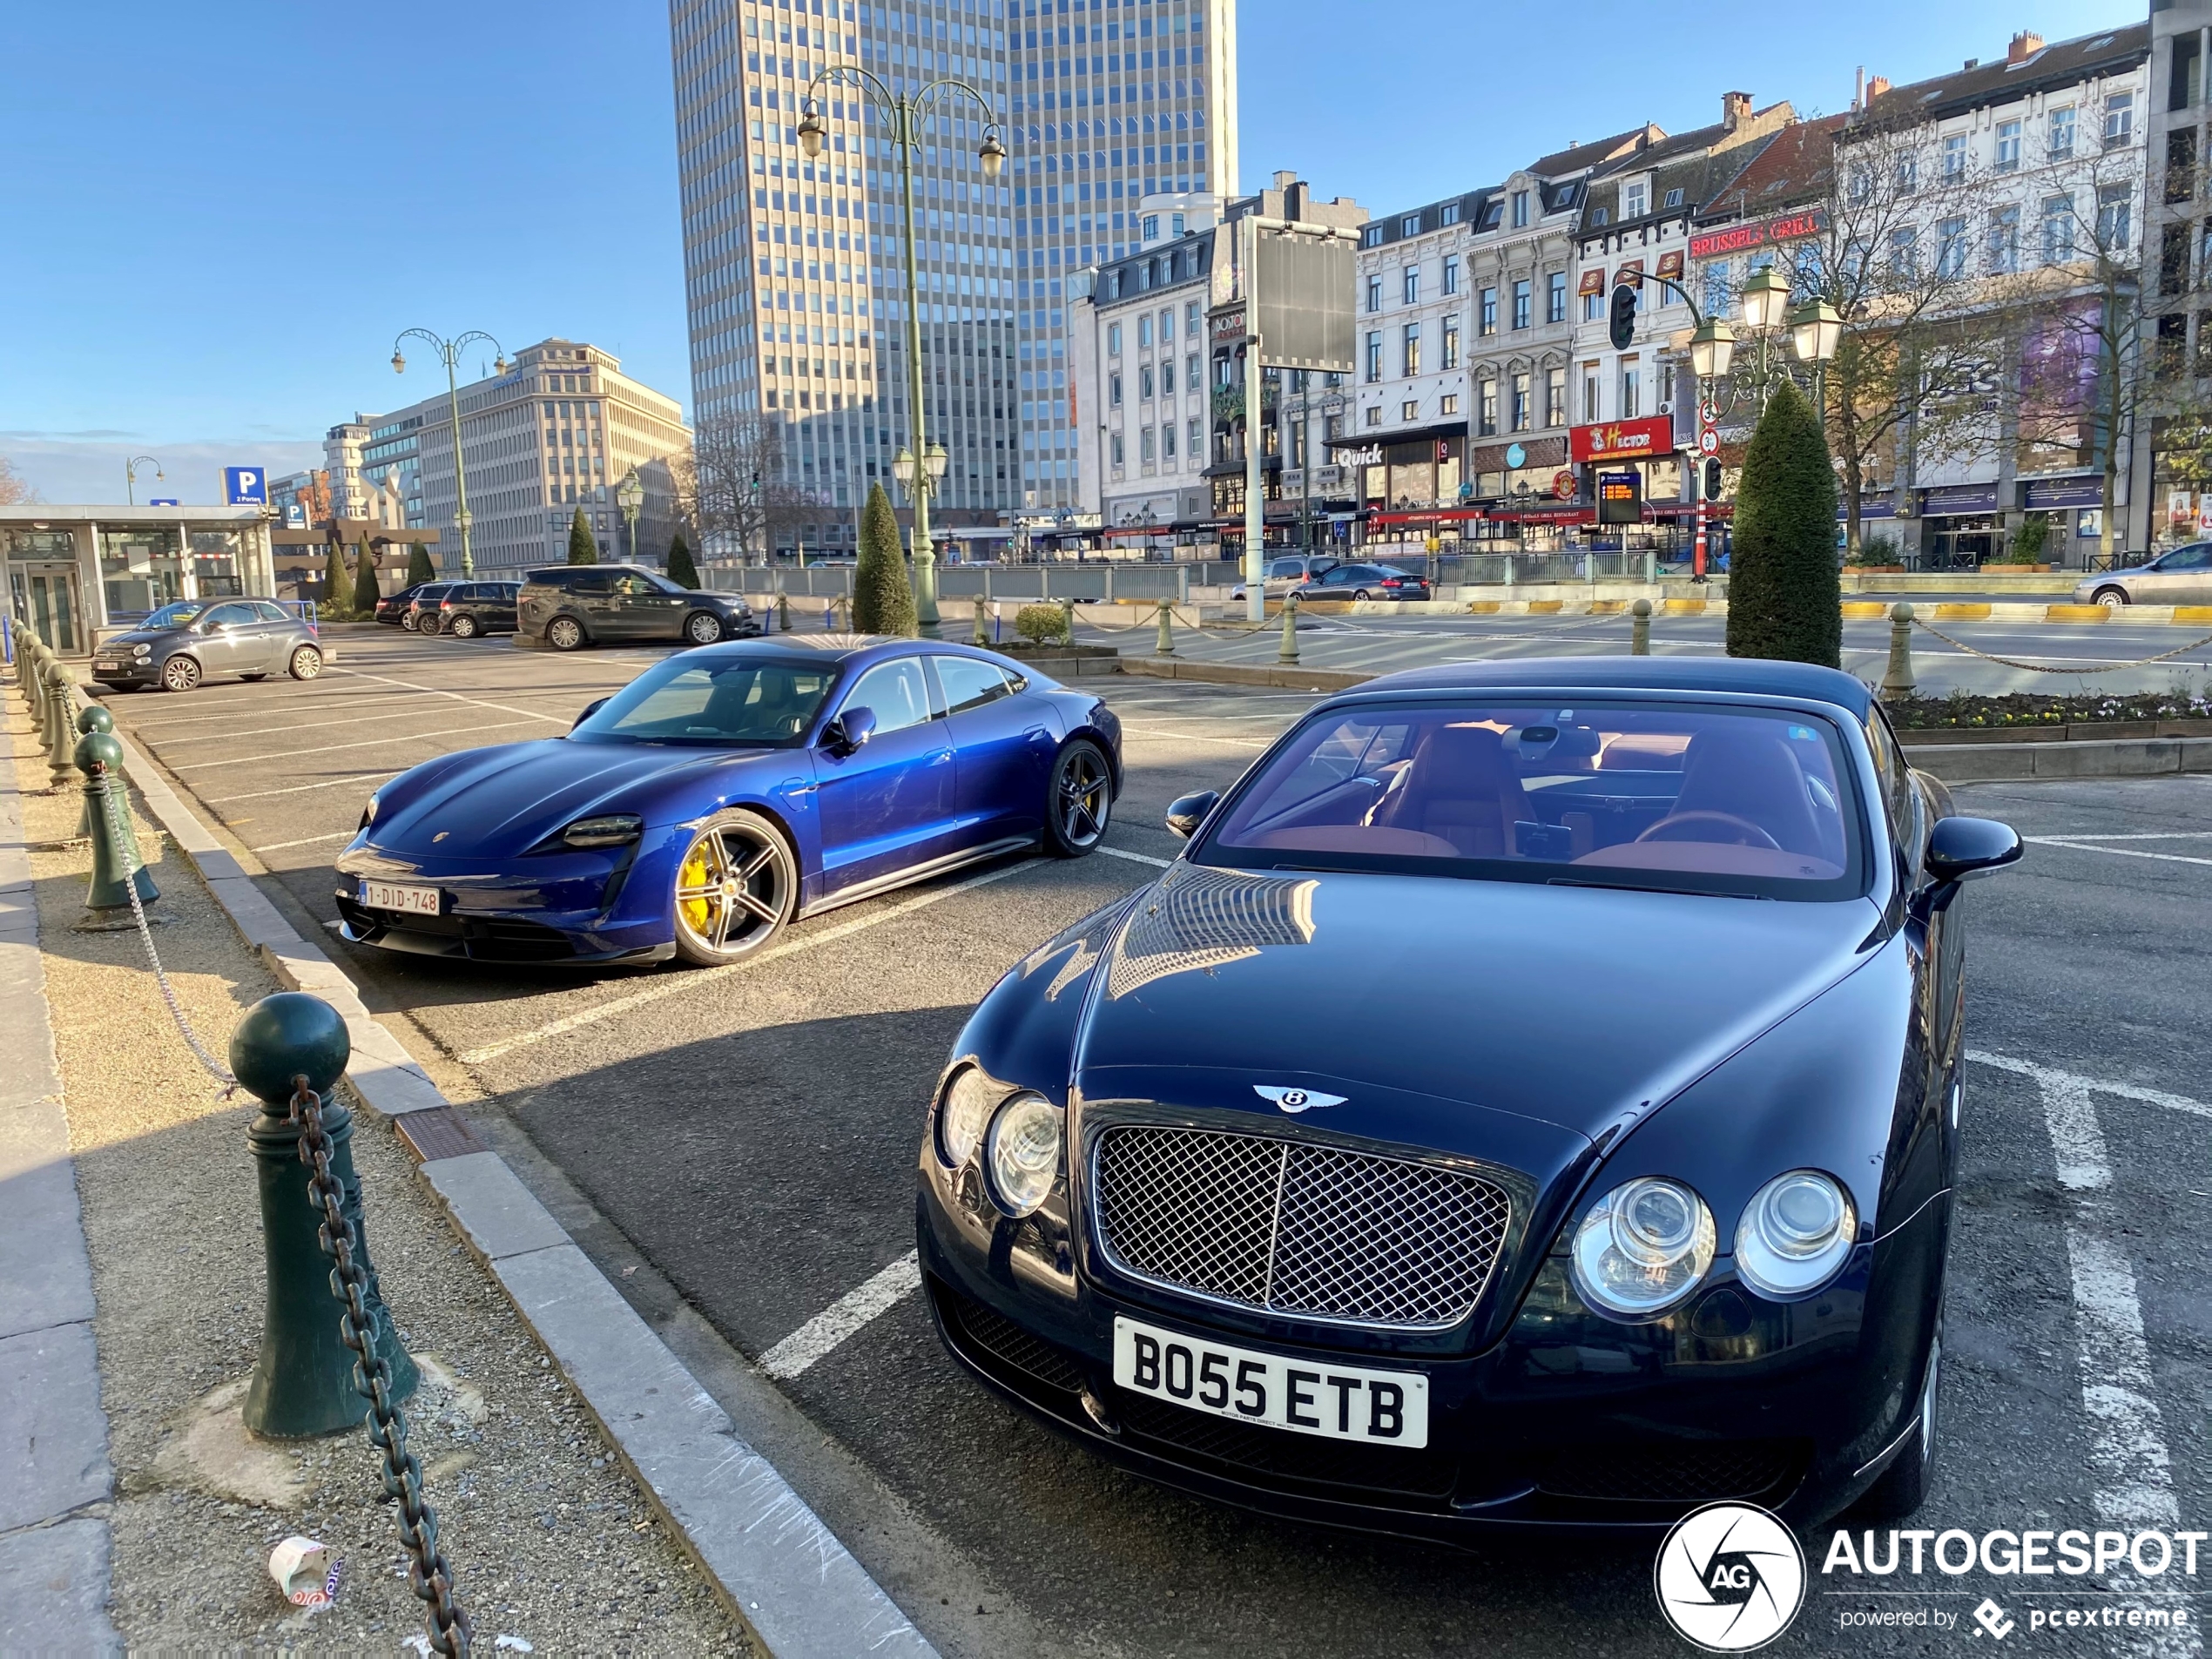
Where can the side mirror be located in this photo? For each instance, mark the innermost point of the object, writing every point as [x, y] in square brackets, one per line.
[589, 709]
[1960, 849]
[850, 731]
[1186, 813]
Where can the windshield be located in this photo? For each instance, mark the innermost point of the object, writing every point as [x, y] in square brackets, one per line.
[1678, 796]
[175, 616]
[753, 700]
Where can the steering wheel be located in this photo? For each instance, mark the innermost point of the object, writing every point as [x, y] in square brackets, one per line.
[1747, 832]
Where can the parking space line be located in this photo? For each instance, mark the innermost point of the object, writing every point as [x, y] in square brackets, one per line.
[296, 789]
[1136, 858]
[311, 841]
[433, 691]
[842, 1317]
[267, 731]
[335, 748]
[679, 984]
[1157, 735]
[336, 698]
[2073, 846]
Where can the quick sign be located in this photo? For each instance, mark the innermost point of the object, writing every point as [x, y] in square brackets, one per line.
[1623, 440]
[1790, 227]
[246, 487]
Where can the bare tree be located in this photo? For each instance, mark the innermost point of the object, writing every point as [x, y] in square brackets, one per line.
[731, 488]
[14, 487]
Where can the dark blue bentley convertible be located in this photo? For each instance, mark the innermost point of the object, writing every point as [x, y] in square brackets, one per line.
[1644, 1203]
[723, 792]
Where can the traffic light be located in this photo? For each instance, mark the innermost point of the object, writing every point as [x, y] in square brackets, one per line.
[1624, 316]
[1711, 491]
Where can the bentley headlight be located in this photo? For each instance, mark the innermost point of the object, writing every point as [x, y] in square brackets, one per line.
[1642, 1248]
[962, 1115]
[611, 829]
[1795, 1233]
[1024, 1152]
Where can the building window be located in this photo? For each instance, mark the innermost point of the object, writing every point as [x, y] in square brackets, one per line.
[1954, 159]
[2058, 229]
[1524, 412]
[1904, 256]
[1410, 225]
[1555, 298]
[1151, 230]
[2059, 130]
[1451, 273]
[1523, 303]
[1521, 210]
[1167, 441]
[1448, 404]
[1593, 306]
[1600, 215]
[1197, 437]
[1450, 359]
[1633, 199]
[1411, 349]
[1191, 371]
[1167, 377]
[1950, 247]
[1486, 318]
[1449, 214]
[1190, 326]
[1374, 293]
[2120, 120]
[1485, 409]
[1555, 397]
[1113, 339]
[1716, 289]
[1114, 448]
[1631, 388]
[1907, 173]
[1374, 355]
[1374, 416]
[1412, 280]
[1114, 390]
[1144, 446]
[2005, 241]
[1143, 334]
[1375, 236]
[1144, 381]
[2114, 230]
[1167, 325]
[2008, 146]
[1409, 411]
[1674, 197]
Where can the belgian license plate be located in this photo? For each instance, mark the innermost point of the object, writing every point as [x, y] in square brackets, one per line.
[105, 668]
[414, 902]
[1307, 1396]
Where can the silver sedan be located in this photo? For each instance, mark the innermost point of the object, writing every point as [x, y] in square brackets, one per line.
[2181, 577]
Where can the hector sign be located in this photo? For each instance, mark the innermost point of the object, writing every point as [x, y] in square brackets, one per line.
[1791, 227]
[1623, 440]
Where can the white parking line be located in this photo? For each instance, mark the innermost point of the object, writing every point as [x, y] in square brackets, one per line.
[166, 743]
[334, 698]
[433, 691]
[297, 789]
[2073, 846]
[1136, 858]
[335, 748]
[842, 1317]
[1156, 734]
[313, 841]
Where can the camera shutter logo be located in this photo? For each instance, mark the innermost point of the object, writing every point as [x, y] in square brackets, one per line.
[1729, 1577]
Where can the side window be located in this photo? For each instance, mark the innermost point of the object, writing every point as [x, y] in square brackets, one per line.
[895, 692]
[588, 581]
[969, 684]
[270, 612]
[231, 617]
[631, 587]
[1897, 780]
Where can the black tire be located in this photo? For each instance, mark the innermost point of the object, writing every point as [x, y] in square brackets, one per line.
[180, 673]
[304, 664]
[1361, 593]
[1903, 1488]
[1079, 802]
[2112, 598]
[464, 627]
[566, 633]
[702, 628]
[736, 887]
[252, 679]
[409, 620]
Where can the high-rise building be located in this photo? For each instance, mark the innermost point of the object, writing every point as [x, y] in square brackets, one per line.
[794, 268]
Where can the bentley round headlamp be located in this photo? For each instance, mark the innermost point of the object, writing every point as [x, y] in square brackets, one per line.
[1642, 1248]
[1795, 1233]
[1023, 1152]
[962, 1115]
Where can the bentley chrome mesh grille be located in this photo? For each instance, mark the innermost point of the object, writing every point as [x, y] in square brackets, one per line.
[1292, 1227]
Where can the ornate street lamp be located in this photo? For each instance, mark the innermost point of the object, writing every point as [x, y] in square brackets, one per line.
[450, 350]
[1766, 298]
[1815, 332]
[1712, 349]
[131, 477]
[629, 495]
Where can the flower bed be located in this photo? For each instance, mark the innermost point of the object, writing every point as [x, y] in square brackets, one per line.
[1962, 711]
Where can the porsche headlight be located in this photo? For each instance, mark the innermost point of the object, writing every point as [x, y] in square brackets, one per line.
[1795, 1233]
[1642, 1248]
[610, 829]
[1023, 1152]
[962, 1115]
[368, 816]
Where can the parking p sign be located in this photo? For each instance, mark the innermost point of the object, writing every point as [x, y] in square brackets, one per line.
[246, 487]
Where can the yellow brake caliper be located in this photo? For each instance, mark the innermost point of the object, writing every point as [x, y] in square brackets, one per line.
[697, 913]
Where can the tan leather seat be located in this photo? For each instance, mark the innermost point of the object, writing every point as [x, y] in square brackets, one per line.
[1462, 788]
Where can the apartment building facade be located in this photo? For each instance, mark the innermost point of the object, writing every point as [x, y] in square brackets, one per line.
[2178, 167]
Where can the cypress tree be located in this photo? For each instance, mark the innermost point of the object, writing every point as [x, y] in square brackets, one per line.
[418, 566]
[583, 546]
[681, 570]
[1784, 596]
[334, 584]
[367, 590]
[883, 594]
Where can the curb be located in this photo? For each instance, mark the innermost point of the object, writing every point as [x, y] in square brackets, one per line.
[1287, 677]
[778, 1566]
[1853, 610]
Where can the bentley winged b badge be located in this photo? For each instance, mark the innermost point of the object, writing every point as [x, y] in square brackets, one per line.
[1295, 1101]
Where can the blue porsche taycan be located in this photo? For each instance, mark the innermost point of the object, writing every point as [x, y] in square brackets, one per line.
[723, 793]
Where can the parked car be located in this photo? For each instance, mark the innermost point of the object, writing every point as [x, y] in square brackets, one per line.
[571, 605]
[724, 791]
[1366, 582]
[392, 609]
[469, 609]
[180, 645]
[1568, 1253]
[423, 605]
[1283, 574]
[2182, 577]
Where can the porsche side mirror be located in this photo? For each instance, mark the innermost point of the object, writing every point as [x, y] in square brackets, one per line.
[1186, 813]
[1960, 849]
[589, 709]
[849, 731]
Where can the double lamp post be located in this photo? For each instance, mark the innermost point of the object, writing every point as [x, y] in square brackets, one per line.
[920, 466]
[450, 350]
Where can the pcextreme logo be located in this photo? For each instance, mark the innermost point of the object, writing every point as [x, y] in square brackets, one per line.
[1729, 1577]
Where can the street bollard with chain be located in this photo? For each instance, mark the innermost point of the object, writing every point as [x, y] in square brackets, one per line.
[39, 693]
[90, 719]
[783, 613]
[1899, 681]
[30, 672]
[1067, 622]
[120, 878]
[980, 633]
[61, 761]
[1639, 628]
[289, 1050]
[1164, 645]
[1288, 653]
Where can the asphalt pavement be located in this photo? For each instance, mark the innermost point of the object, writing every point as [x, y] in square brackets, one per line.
[747, 1141]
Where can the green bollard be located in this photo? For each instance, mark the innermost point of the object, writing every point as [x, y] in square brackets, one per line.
[1067, 621]
[303, 1381]
[35, 693]
[60, 722]
[116, 866]
[90, 719]
[1639, 628]
[783, 613]
[1289, 653]
[1899, 681]
[979, 635]
[30, 673]
[1164, 645]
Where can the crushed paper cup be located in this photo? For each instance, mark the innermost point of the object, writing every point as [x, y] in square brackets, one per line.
[305, 1572]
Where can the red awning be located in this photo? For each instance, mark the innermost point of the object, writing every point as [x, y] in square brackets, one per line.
[1542, 515]
[1432, 515]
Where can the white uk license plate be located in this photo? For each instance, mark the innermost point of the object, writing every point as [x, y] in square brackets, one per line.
[1307, 1396]
[414, 902]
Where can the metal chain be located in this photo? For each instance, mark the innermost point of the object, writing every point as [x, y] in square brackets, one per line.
[2082, 668]
[450, 1629]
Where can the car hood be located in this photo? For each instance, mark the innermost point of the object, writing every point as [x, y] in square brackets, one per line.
[144, 636]
[1418, 998]
[494, 803]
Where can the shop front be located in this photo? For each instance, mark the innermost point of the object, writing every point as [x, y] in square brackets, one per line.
[73, 571]
[1959, 527]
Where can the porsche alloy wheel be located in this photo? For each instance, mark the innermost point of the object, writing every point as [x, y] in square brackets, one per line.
[1081, 802]
[564, 633]
[734, 888]
[179, 674]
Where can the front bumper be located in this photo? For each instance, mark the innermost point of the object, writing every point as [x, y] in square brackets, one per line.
[1570, 1421]
[144, 671]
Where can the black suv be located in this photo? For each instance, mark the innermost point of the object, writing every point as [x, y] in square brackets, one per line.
[569, 605]
[472, 607]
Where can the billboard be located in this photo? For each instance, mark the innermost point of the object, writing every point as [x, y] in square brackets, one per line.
[1304, 286]
[1623, 440]
[246, 487]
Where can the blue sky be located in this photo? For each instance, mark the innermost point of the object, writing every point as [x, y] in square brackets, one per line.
[220, 214]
